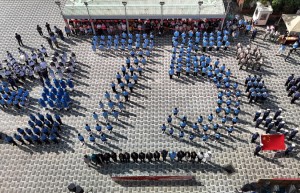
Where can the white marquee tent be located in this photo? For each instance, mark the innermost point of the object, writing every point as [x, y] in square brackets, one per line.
[143, 9]
[292, 22]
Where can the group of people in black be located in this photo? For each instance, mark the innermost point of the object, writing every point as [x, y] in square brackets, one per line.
[106, 158]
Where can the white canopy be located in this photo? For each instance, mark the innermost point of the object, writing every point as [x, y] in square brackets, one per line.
[143, 9]
[292, 22]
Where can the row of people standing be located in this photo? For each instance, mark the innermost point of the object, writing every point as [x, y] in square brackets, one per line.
[271, 122]
[106, 158]
[127, 41]
[210, 41]
[292, 85]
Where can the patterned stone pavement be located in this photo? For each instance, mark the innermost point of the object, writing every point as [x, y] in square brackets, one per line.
[51, 168]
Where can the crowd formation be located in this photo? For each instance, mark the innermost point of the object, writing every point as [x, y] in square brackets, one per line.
[212, 128]
[112, 27]
[43, 130]
[268, 121]
[35, 64]
[56, 96]
[249, 57]
[107, 42]
[184, 55]
[126, 82]
[293, 87]
[273, 122]
[195, 41]
[256, 89]
[17, 71]
[271, 34]
[106, 158]
[189, 37]
[17, 97]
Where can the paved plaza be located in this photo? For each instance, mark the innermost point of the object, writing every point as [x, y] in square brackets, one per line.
[51, 168]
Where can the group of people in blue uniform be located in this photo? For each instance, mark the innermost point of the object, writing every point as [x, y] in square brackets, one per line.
[56, 95]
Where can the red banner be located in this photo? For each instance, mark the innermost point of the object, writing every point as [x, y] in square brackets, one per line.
[273, 142]
[152, 178]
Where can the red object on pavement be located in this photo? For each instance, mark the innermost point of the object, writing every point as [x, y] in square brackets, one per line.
[152, 178]
[273, 142]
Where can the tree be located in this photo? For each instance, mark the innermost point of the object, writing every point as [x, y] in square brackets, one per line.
[264, 2]
[286, 6]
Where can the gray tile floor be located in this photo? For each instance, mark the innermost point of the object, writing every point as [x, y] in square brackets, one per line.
[52, 168]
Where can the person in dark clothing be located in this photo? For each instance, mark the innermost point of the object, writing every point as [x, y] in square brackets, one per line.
[134, 156]
[149, 156]
[113, 156]
[164, 154]
[289, 149]
[127, 157]
[193, 156]
[95, 158]
[288, 55]
[48, 27]
[142, 157]
[257, 150]
[12, 83]
[121, 157]
[106, 157]
[293, 134]
[49, 42]
[19, 138]
[39, 29]
[254, 33]
[187, 155]
[156, 156]
[180, 155]
[19, 39]
[10, 140]
[100, 158]
[254, 137]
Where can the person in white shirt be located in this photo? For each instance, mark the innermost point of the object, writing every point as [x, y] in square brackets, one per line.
[22, 74]
[31, 63]
[22, 58]
[200, 156]
[37, 69]
[29, 73]
[65, 56]
[98, 26]
[43, 64]
[12, 61]
[207, 156]
[7, 72]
